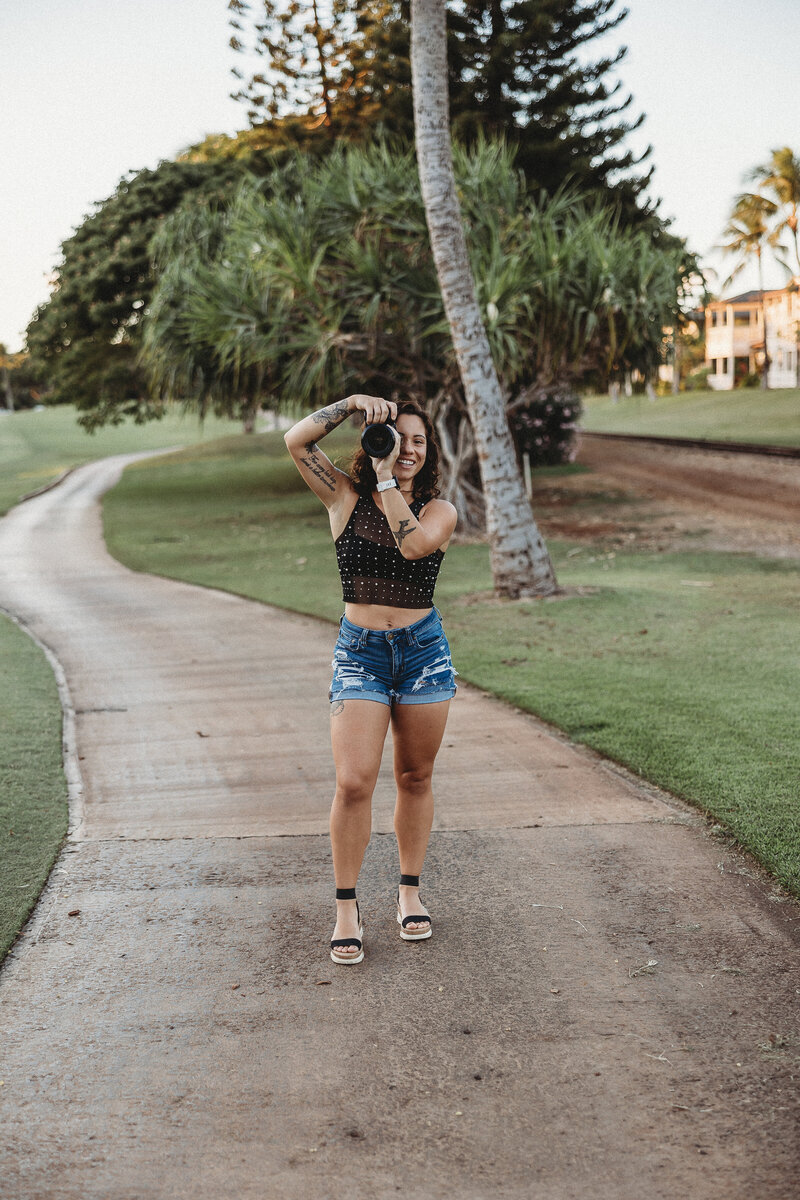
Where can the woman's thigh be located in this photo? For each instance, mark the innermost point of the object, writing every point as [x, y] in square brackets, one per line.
[417, 732]
[358, 732]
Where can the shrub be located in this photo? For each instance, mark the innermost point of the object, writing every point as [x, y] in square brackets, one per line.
[544, 427]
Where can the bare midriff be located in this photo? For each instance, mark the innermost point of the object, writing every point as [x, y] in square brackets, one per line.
[381, 616]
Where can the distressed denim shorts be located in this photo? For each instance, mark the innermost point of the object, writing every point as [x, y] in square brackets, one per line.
[411, 665]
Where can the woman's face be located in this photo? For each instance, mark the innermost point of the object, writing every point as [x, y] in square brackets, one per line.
[413, 446]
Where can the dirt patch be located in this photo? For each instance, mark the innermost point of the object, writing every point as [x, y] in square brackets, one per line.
[655, 497]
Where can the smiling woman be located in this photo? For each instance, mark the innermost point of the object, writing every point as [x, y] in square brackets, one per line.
[391, 657]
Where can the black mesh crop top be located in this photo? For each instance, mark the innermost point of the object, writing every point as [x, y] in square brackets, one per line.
[372, 568]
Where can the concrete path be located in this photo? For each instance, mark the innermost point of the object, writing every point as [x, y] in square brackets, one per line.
[607, 1009]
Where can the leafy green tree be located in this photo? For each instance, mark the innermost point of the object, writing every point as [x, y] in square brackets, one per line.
[516, 69]
[84, 340]
[321, 278]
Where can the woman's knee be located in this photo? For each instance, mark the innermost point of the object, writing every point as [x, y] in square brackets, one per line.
[353, 790]
[414, 781]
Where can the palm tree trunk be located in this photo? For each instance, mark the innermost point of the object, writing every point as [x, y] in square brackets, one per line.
[521, 565]
[765, 369]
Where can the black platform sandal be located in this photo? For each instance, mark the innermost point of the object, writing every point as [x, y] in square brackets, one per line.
[411, 935]
[347, 959]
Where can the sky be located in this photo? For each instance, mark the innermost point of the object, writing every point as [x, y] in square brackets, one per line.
[90, 89]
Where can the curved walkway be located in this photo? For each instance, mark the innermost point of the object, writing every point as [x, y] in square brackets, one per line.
[607, 1007]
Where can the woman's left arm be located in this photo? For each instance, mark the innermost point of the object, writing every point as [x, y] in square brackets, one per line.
[418, 536]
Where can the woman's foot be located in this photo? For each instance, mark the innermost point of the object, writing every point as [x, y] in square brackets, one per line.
[410, 905]
[348, 928]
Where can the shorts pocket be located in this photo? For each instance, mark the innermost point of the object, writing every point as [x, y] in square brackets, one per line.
[429, 638]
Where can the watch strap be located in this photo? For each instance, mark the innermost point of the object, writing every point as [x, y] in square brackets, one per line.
[384, 484]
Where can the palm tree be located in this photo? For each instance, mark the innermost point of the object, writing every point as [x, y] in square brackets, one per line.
[781, 176]
[748, 232]
[521, 565]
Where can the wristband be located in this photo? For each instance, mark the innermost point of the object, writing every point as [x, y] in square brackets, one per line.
[387, 483]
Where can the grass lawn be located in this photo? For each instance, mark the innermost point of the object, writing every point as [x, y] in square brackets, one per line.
[33, 791]
[743, 415]
[680, 665]
[36, 447]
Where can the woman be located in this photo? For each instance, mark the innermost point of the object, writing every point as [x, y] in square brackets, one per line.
[392, 661]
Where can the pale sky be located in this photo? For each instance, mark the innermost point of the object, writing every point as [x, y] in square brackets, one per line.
[92, 88]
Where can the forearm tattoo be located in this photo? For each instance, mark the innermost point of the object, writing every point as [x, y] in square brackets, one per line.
[317, 469]
[401, 532]
[331, 416]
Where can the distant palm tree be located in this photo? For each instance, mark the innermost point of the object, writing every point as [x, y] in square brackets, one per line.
[748, 232]
[781, 176]
[521, 565]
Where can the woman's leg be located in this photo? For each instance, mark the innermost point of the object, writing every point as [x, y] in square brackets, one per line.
[358, 731]
[417, 732]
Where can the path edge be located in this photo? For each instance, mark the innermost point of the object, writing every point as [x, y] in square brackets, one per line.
[69, 744]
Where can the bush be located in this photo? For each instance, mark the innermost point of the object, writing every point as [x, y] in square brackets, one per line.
[750, 380]
[544, 428]
[698, 380]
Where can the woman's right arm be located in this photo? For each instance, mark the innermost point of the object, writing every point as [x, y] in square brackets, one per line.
[324, 479]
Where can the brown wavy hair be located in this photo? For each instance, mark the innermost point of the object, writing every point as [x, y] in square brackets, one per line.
[426, 481]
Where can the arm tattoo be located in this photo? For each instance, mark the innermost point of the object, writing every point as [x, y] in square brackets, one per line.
[331, 416]
[316, 468]
[401, 532]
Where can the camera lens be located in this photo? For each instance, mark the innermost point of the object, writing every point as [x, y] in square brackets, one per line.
[378, 440]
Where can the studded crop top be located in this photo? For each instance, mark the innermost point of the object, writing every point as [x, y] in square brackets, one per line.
[372, 568]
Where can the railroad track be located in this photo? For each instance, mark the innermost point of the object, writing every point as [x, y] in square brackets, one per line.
[700, 444]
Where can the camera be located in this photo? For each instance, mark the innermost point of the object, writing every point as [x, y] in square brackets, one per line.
[378, 440]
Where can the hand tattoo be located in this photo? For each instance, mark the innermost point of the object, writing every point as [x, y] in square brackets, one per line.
[331, 416]
[401, 532]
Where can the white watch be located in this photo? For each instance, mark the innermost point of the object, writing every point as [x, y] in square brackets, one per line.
[384, 484]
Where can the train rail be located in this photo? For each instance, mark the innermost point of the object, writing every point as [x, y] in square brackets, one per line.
[700, 444]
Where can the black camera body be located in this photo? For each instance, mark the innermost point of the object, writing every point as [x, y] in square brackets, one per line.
[378, 440]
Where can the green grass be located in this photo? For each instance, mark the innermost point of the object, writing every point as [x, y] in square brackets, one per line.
[744, 415]
[36, 447]
[682, 666]
[33, 791]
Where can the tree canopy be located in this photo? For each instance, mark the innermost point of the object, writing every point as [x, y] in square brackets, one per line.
[518, 69]
[320, 281]
[84, 340]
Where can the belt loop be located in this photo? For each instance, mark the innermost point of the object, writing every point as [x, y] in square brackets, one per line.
[362, 637]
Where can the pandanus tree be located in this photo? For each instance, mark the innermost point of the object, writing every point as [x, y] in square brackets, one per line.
[521, 564]
[320, 280]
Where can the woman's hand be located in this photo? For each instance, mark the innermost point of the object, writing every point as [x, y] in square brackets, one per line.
[376, 410]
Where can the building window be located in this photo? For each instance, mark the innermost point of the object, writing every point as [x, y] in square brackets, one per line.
[723, 370]
[713, 317]
[742, 318]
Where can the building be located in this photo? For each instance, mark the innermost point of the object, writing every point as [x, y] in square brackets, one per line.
[735, 337]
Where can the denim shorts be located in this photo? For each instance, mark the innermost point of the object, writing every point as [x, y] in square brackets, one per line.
[411, 665]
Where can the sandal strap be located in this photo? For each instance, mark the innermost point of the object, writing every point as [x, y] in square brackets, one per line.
[418, 917]
[409, 880]
[345, 942]
[345, 893]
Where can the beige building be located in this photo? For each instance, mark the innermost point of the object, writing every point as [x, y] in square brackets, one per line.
[735, 337]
